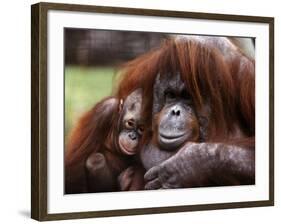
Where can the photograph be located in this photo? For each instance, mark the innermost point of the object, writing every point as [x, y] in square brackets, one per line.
[148, 111]
[140, 111]
[124, 111]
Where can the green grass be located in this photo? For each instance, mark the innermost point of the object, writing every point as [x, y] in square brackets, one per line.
[84, 87]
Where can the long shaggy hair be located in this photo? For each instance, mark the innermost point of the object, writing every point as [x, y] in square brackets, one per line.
[89, 135]
[93, 131]
[216, 74]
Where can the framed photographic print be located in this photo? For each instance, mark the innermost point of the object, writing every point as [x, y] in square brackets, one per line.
[138, 111]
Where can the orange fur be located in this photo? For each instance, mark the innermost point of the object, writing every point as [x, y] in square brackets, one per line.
[226, 84]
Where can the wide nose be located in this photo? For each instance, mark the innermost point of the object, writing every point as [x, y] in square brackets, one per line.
[133, 135]
[175, 111]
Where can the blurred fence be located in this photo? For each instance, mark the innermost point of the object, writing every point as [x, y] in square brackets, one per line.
[102, 47]
[91, 57]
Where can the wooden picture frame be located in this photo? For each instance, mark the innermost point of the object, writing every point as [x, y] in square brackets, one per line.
[40, 102]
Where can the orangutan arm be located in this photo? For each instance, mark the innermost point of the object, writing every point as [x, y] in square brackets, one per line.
[204, 164]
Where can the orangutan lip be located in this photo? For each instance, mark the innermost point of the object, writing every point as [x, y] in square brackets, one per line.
[124, 149]
[171, 136]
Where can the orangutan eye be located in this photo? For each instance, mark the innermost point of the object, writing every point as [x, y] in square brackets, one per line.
[169, 95]
[140, 130]
[130, 123]
[185, 95]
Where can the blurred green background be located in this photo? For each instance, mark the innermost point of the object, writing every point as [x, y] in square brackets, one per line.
[91, 61]
[84, 87]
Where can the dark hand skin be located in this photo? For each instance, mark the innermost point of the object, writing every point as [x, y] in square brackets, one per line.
[131, 179]
[203, 164]
[125, 179]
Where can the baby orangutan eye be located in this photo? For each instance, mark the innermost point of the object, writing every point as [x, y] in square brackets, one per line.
[130, 123]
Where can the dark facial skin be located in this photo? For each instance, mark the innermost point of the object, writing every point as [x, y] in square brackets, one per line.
[130, 123]
[176, 120]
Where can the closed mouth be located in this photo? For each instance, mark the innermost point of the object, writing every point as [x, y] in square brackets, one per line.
[171, 141]
[171, 136]
[126, 150]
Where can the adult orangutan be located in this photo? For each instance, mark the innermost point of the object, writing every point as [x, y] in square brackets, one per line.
[174, 123]
[213, 78]
[101, 149]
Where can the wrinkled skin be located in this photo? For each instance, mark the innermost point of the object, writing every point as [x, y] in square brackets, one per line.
[174, 121]
[130, 123]
[203, 164]
[175, 162]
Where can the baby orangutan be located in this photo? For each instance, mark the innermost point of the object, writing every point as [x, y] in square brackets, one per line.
[114, 167]
[103, 145]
